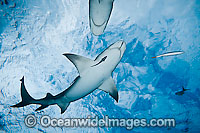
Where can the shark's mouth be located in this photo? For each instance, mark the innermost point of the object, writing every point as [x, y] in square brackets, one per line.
[121, 48]
[98, 25]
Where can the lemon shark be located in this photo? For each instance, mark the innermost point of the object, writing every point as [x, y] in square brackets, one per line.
[99, 14]
[93, 74]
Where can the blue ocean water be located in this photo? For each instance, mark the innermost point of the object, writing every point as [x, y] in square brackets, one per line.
[34, 34]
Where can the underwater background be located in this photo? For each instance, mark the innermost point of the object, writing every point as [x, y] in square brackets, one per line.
[35, 33]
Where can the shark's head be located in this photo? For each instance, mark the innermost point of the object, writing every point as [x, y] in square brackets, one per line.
[110, 57]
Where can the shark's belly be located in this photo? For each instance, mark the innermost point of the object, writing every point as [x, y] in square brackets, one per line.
[100, 12]
[85, 85]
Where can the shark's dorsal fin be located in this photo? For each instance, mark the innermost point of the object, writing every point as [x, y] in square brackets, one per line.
[80, 62]
[110, 87]
[49, 95]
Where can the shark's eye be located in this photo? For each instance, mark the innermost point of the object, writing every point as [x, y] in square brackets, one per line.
[104, 58]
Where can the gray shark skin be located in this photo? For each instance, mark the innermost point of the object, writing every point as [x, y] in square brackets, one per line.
[93, 74]
[99, 14]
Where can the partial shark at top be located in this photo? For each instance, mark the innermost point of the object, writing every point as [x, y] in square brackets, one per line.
[99, 14]
[93, 74]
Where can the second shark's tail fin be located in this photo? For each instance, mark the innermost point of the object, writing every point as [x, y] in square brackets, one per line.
[26, 98]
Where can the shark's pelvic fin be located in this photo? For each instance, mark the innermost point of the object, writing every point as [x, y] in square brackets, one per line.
[63, 106]
[110, 87]
[80, 62]
[26, 98]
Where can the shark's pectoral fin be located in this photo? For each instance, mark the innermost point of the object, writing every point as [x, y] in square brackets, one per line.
[80, 62]
[110, 87]
[63, 106]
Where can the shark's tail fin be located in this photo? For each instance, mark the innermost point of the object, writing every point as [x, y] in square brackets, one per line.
[185, 89]
[26, 98]
[44, 102]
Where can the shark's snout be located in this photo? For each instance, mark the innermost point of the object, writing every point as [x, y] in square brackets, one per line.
[118, 44]
[123, 45]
